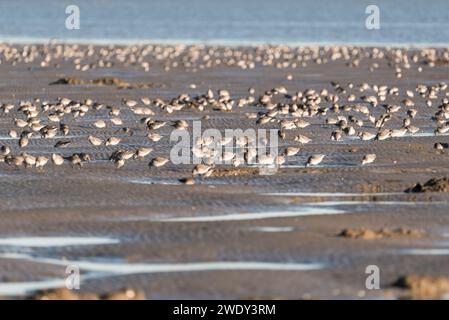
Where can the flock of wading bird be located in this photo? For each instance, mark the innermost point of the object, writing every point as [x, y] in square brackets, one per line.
[47, 120]
[197, 57]
[358, 110]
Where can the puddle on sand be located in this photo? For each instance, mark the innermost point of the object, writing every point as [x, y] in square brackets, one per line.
[23, 288]
[331, 194]
[272, 229]
[153, 180]
[97, 269]
[127, 268]
[40, 242]
[425, 252]
[307, 210]
[26, 287]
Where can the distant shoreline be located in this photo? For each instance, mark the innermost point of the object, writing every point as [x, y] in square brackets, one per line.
[230, 43]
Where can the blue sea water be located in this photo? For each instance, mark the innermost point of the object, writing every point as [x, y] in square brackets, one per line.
[402, 22]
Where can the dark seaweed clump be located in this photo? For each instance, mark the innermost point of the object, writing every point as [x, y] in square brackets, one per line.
[433, 185]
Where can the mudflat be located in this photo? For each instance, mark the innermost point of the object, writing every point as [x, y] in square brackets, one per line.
[297, 233]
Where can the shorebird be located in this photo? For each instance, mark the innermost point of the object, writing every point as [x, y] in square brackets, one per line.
[301, 123]
[302, 139]
[20, 123]
[336, 135]
[100, 124]
[154, 137]
[142, 152]
[408, 102]
[158, 162]
[412, 129]
[350, 131]
[393, 108]
[291, 151]
[412, 113]
[65, 101]
[146, 101]
[314, 159]
[121, 155]
[396, 133]
[366, 135]
[438, 146]
[279, 160]
[265, 119]
[116, 121]
[442, 129]
[369, 158]
[281, 135]
[7, 107]
[13, 134]
[75, 159]
[154, 125]
[57, 159]
[23, 142]
[130, 103]
[112, 141]
[64, 128]
[49, 131]
[181, 124]
[41, 161]
[201, 169]
[62, 143]
[53, 118]
[5, 150]
[383, 134]
[29, 160]
[265, 159]
[406, 122]
[18, 160]
[114, 111]
[95, 141]
[119, 163]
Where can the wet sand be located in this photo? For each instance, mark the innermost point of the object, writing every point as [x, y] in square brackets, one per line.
[236, 234]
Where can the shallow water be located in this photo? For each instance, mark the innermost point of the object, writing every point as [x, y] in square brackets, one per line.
[304, 211]
[44, 242]
[331, 194]
[23, 288]
[402, 22]
[98, 269]
[426, 252]
[308, 209]
[273, 229]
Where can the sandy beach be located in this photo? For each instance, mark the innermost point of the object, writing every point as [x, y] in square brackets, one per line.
[301, 233]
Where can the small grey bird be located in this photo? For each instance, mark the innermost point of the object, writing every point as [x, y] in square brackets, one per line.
[369, 158]
[314, 159]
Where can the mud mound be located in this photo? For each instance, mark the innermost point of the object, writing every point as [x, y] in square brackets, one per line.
[424, 287]
[65, 294]
[367, 234]
[433, 185]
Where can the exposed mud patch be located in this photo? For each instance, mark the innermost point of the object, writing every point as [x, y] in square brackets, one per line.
[106, 81]
[367, 234]
[433, 185]
[423, 287]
